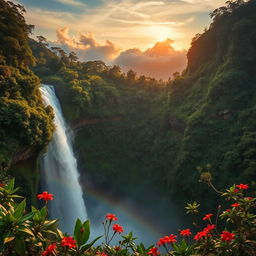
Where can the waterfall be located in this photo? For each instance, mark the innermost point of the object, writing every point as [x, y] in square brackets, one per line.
[59, 170]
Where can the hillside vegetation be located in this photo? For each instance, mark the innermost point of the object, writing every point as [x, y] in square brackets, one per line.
[26, 125]
[130, 127]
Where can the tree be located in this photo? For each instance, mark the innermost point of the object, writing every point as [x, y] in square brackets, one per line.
[225, 10]
[42, 40]
[131, 75]
[73, 57]
[93, 67]
[115, 71]
[14, 35]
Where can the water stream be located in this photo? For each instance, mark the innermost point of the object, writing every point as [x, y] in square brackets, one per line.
[59, 174]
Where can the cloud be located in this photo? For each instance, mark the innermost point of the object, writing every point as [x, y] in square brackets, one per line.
[160, 61]
[87, 48]
[71, 2]
[127, 22]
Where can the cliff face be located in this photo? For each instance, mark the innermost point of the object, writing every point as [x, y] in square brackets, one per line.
[23, 155]
[83, 123]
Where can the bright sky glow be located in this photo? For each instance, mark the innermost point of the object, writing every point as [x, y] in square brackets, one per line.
[123, 32]
[126, 23]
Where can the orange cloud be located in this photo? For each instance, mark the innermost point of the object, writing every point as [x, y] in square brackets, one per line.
[86, 47]
[160, 61]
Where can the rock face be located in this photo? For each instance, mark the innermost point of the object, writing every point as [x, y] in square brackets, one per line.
[24, 154]
[78, 125]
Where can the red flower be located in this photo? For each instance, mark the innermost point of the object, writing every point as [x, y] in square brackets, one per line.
[242, 186]
[235, 205]
[200, 235]
[49, 250]
[209, 228]
[205, 233]
[161, 241]
[117, 228]
[249, 198]
[98, 253]
[68, 241]
[111, 216]
[166, 240]
[172, 238]
[228, 210]
[153, 251]
[45, 196]
[185, 232]
[207, 216]
[227, 236]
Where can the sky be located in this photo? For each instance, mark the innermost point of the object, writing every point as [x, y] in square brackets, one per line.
[123, 32]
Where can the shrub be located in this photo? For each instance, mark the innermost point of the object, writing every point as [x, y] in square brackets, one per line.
[231, 232]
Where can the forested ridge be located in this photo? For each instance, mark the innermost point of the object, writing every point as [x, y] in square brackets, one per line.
[133, 131]
[26, 125]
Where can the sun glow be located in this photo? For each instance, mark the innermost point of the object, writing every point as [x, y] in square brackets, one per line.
[160, 33]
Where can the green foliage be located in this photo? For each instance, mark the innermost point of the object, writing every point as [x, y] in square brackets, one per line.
[14, 48]
[82, 232]
[26, 125]
[129, 126]
[192, 208]
[23, 232]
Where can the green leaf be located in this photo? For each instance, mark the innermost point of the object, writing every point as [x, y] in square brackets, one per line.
[86, 232]
[141, 248]
[82, 232]
[51, 232]
[49, 223]
[77, 229]
[10, 185]
[27, 216]
[43, 212]
[87, 246]
[28, 231]
[8, 239]
[16, 196]
[33, 209]
[19, 210]
[183, 245]
[176, 247]
[60, 234]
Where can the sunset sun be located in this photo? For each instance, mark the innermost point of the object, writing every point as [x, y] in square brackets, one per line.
[160, 33]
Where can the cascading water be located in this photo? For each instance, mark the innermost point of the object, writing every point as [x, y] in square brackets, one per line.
[59, 170]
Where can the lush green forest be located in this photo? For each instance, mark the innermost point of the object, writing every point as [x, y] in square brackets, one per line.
[26, 125]
[129, 126]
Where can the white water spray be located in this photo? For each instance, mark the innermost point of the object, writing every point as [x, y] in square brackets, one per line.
[59, 170]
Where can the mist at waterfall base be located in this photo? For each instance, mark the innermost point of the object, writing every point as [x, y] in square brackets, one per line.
[59, 176]
[147, 221]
